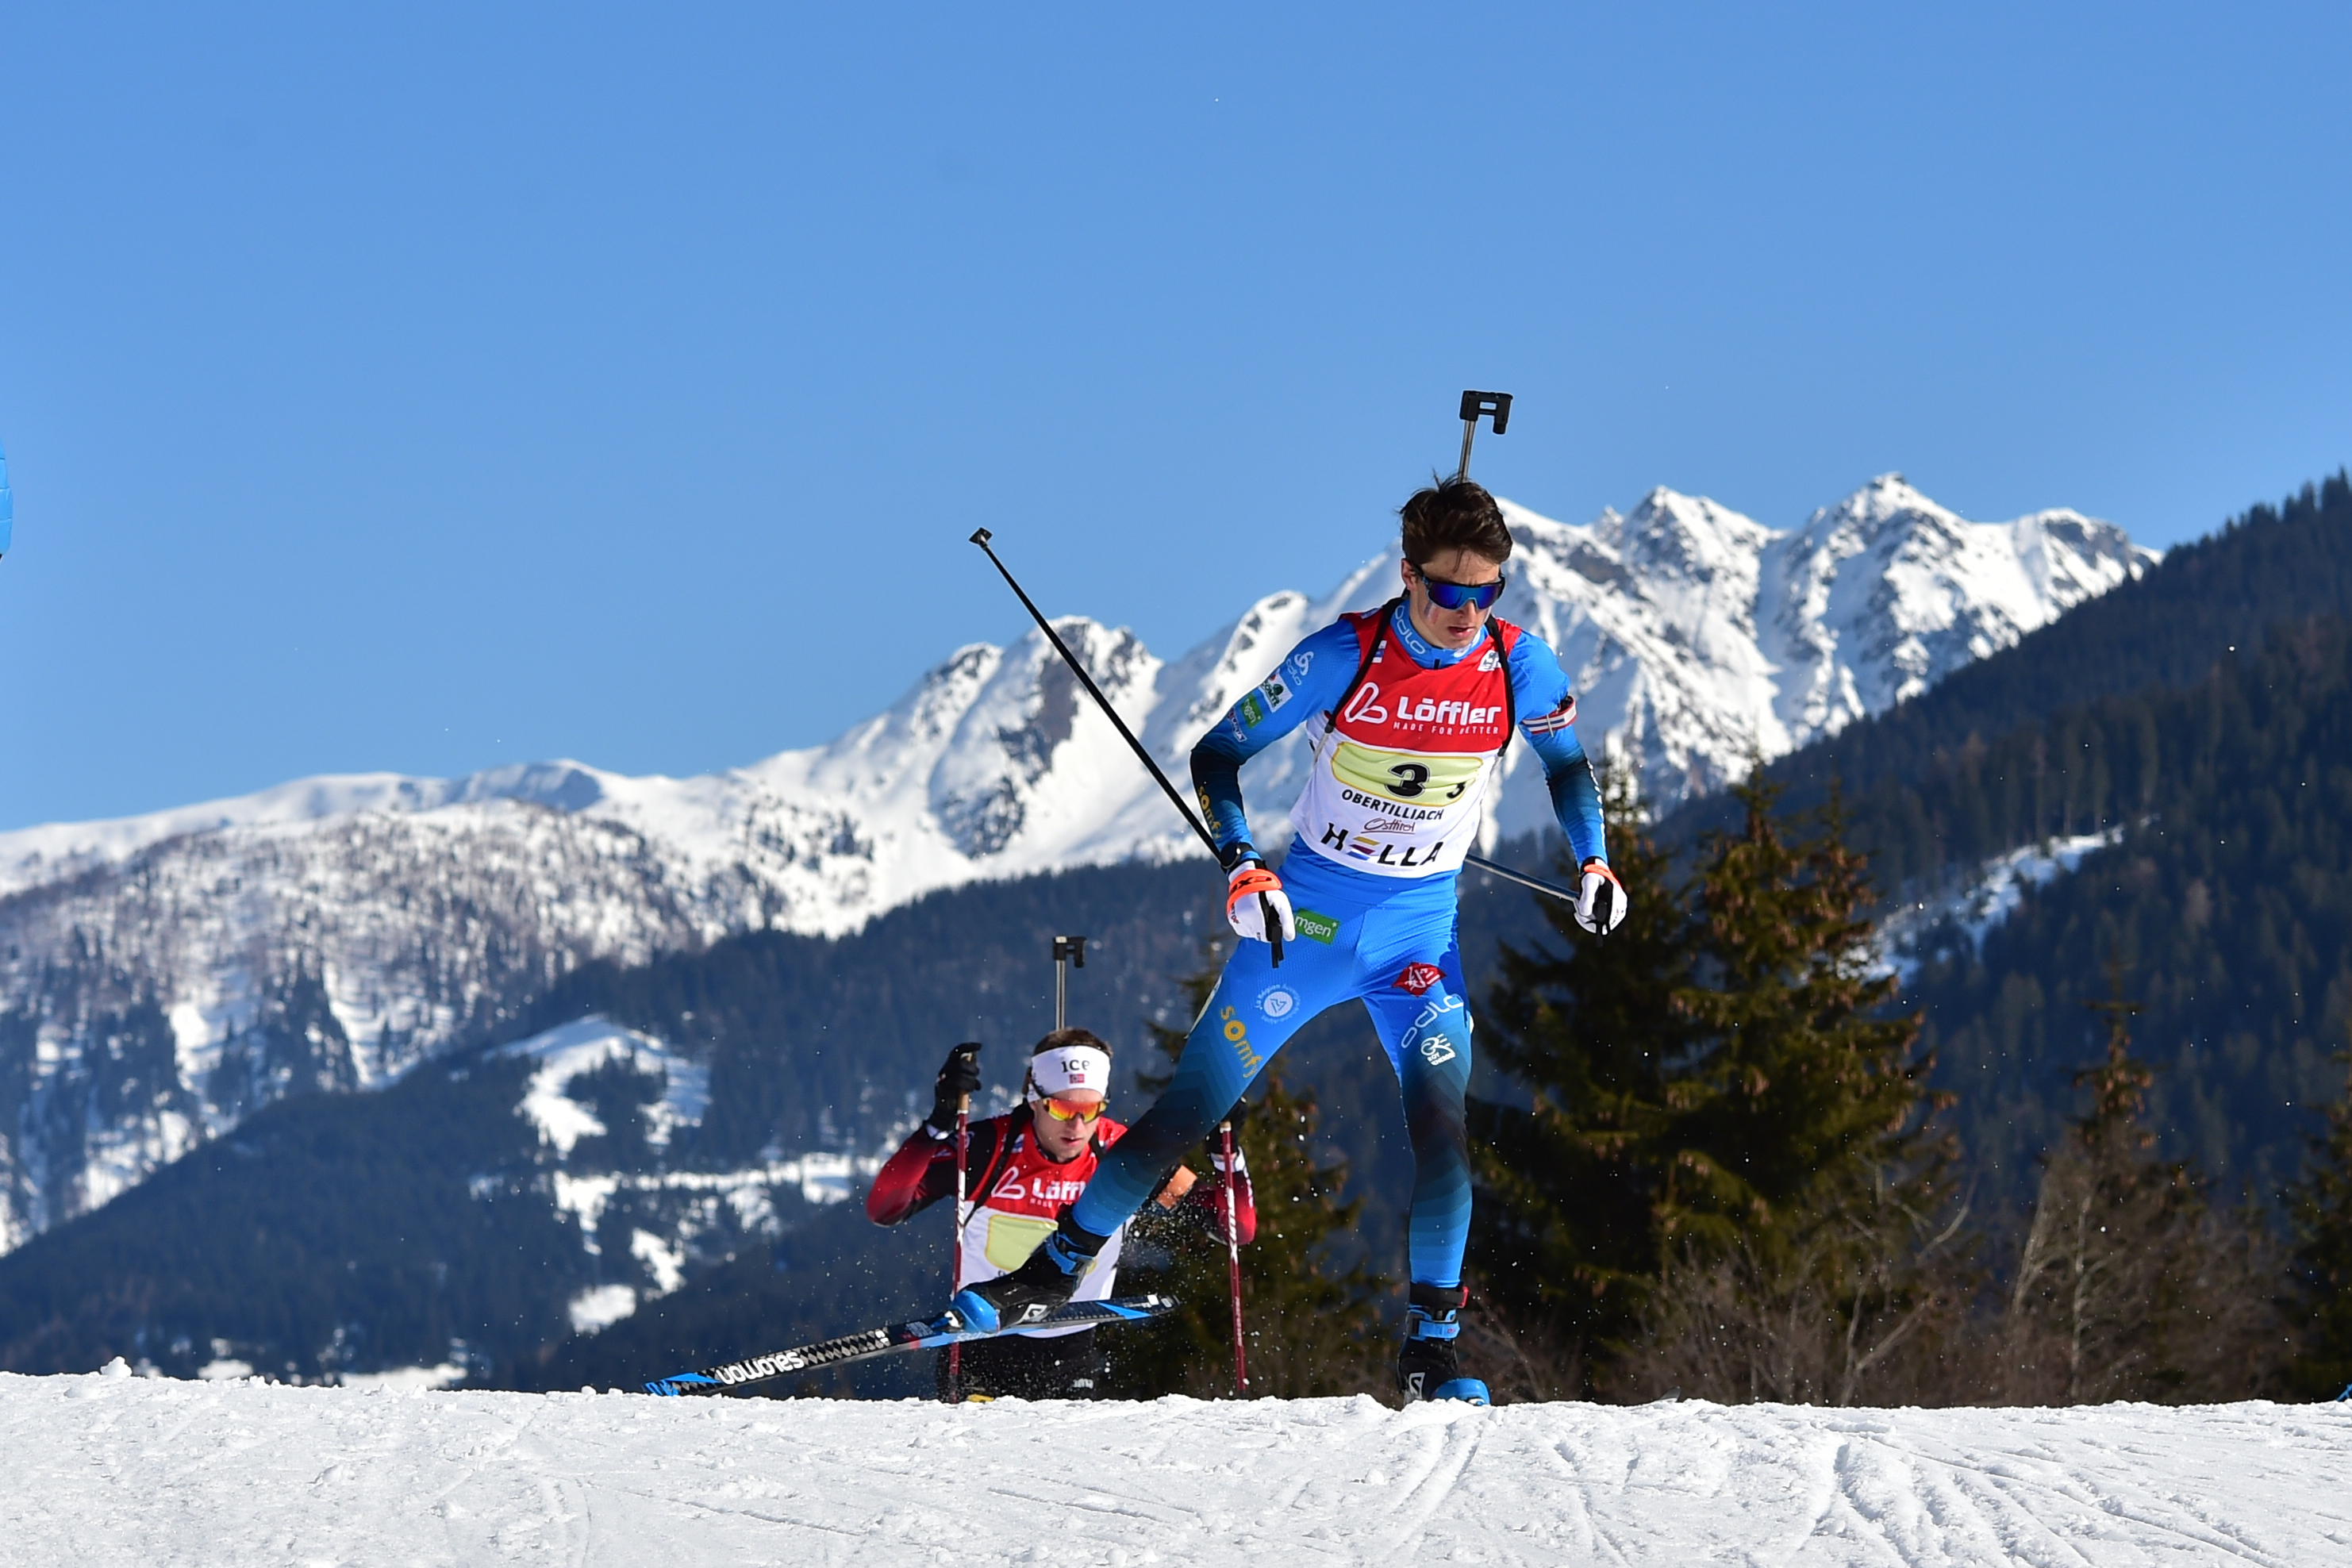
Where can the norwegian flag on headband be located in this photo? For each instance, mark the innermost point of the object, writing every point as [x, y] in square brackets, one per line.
[1073, 1067]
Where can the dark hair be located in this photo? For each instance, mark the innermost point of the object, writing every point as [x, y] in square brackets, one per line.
[1061, 1038]
[1453, 514]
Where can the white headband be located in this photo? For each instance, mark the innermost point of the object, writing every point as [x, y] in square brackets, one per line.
[1066, 1068]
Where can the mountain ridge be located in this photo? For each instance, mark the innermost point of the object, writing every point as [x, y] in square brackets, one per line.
[1006, 712]
[162, 976]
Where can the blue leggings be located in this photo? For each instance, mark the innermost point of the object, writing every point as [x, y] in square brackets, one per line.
[1391, 944]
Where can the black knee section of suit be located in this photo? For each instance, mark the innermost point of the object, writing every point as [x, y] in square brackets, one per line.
[1075, 1238]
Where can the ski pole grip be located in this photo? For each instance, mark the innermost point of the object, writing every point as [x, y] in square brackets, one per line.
[1272, 926]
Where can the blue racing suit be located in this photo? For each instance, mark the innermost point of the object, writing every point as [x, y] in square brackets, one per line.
[1389, 941]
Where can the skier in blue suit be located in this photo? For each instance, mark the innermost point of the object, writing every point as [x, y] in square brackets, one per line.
[1409, 709]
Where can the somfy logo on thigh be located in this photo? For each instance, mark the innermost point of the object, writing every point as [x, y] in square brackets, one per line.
[1277, 1001]
[1238, 1033]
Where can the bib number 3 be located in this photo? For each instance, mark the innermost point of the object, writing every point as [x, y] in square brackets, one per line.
[1429, 778]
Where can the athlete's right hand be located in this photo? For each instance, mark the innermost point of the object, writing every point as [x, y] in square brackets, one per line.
[1251, 892]
[958, 1079]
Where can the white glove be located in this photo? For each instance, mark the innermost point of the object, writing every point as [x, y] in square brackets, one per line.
[1599, 898]
[1250, 891]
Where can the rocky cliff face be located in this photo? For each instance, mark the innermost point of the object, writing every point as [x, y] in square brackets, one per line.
[163, 976]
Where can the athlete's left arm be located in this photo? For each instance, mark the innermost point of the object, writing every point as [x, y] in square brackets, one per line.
[1547, 712]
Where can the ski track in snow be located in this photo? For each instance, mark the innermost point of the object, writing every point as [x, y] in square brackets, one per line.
[116, 1469]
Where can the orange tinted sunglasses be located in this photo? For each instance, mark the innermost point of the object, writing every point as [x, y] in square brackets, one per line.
[1062, 1109]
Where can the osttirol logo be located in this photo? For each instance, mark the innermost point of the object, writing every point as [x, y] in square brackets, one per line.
[1315, 927]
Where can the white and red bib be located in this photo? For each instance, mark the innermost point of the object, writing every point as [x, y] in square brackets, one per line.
[1025, 1195]
[1400, 775]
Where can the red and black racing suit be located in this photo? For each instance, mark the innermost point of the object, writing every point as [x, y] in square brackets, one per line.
[1018, 1193]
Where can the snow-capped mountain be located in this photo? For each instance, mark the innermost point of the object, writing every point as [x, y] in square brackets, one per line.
[163, 975]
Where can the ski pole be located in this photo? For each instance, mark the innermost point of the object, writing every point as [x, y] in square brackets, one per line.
[980, 537]
[1234, 1258]
[962, 1218]
[1521, 877]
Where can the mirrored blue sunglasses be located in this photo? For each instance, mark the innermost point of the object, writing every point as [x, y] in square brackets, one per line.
[1448, 595]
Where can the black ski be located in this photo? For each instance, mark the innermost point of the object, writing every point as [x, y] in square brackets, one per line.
[923, 1334]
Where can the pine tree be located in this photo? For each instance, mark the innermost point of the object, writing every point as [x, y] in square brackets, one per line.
[1803, 1191]
[1312, 1323]
[2324, 1255]
[2128, 1284]
[1566, 1243]
[1800, 1085]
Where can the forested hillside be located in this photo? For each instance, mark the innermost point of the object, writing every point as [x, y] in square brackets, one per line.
[2226, 905]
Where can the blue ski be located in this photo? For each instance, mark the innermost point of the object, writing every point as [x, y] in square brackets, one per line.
[923, 1334]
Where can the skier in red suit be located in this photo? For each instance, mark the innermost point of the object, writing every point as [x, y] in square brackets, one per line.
[1026, 1168]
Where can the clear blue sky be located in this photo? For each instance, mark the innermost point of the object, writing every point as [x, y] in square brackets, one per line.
[423, 388]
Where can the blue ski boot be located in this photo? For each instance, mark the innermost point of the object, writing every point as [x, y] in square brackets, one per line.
[1040, 1284]
[1426, 1367]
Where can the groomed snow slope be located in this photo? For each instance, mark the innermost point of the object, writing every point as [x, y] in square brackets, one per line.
[125, 1470]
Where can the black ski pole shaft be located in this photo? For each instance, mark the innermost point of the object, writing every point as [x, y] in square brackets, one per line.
[1521, 877]
[980, 537]
[963, 1219]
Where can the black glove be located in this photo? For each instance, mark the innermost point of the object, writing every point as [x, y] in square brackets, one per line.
[958, 1077]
